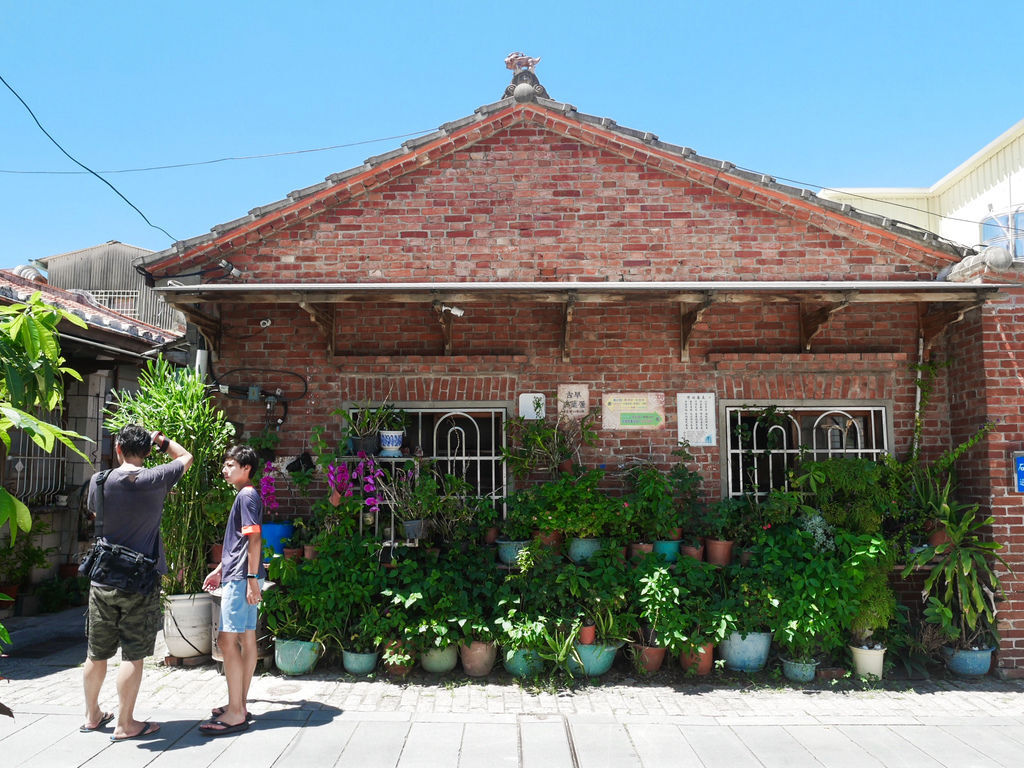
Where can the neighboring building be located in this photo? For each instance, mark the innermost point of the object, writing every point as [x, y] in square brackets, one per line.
[979, 203]
[107, 272]
[108, 354]
[530, 247]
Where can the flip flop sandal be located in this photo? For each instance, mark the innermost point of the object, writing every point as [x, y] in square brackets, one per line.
[104, 719]
[148, 729]
[224, 730]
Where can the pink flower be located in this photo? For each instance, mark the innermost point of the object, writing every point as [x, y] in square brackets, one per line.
[267, 491]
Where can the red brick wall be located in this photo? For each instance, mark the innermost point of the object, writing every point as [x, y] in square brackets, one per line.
[527, 204]
[987, 352]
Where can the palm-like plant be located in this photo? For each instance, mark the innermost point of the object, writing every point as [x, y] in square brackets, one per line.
[962, 587]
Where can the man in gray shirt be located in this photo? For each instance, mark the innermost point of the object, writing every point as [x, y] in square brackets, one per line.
[133, 502]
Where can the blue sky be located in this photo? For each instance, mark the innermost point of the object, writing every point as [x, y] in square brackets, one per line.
[827, 93]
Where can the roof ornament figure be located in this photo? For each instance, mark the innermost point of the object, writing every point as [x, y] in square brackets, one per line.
[524, 86]
[517, 61]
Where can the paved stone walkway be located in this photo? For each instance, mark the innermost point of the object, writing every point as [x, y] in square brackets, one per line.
[330, 719]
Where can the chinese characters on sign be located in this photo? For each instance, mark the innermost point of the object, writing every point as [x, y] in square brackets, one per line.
[633, 410]
[573, 401]
[695, 412]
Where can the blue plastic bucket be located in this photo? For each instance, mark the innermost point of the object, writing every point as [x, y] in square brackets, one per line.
[799, 671]
[274, 533]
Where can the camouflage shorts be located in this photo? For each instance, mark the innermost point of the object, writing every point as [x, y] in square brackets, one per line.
[124, 618]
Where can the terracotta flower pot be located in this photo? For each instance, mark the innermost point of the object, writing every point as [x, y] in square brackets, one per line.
[649, 658]
[478, 658]
[309, 552]
[718, 552]
[688, 550]
[293, 553]
[588, 633]
[701, 660]
[551, 539]
[640, 548]
[216, 553]
[491, 535]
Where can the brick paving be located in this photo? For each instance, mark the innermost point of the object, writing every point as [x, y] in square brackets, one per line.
[637, 722]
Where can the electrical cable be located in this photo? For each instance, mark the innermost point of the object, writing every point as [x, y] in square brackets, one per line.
[82, 165]
[230, 158]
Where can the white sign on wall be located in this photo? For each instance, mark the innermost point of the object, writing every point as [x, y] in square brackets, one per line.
[573, 401]
[695, 412]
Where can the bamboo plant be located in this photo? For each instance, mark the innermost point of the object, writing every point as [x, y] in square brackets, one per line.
[176, 401]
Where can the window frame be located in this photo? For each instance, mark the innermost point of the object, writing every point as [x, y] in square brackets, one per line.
[882, 410]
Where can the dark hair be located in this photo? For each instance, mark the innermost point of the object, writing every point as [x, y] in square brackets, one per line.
[134, 441]
[244, 455]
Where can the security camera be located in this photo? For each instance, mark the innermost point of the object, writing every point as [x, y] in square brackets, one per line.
[456, 311]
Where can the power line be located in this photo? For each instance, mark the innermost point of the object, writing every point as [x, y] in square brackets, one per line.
[228, 159]
[372, 141]
[81, 165]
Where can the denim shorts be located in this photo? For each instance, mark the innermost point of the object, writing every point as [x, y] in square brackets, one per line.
[236, 615]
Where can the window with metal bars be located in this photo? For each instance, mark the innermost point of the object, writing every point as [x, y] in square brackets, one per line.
[765, 441]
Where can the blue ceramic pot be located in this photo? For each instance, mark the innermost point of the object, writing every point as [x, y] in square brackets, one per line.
[508, 550]
[296, 657]
[594, 661]
[359, 663]
[799, 671]
[581, 550]
[968, 663]
[523, 663]
[669, 550]
[746, 653]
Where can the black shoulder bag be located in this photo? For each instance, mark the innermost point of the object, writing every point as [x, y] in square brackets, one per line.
[114, 565]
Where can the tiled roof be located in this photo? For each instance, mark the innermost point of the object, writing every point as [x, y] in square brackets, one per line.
[17, 289]
[642, 146]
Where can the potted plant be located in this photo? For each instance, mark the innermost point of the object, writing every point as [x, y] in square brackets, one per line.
[521, 511]
[578, 507]
[363, 423]
[697, 620]
[17, 561]
[963, 588]
[265, 443]
[549, 445]
[720, 523]
[655, 516]
[750, 610]
[656, 592]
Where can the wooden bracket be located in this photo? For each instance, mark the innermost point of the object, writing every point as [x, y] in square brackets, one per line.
[208, 325]
[934, 322]
[813, 318]
[569, 309]
[324, 320]
[689, 315]
[445, 319]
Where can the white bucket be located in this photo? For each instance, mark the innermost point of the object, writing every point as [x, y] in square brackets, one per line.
[187, 621]
[868, 661]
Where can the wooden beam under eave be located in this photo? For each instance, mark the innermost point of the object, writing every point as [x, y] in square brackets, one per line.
[323, 318]
[937, 318]
[813, 318]
[567, 314]
[689, 314]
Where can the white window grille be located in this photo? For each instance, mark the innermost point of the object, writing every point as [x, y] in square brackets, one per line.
[34, 476]
[125, 302]
[464, 442]
[762, 446]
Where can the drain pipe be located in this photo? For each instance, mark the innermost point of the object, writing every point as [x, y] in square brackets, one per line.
[917, 393]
